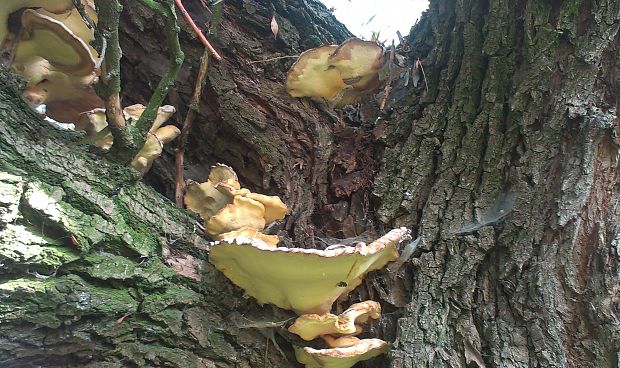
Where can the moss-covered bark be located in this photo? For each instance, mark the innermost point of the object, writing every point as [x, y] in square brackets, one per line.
[83, 279]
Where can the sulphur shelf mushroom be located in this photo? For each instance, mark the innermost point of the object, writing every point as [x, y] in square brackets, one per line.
[246, 234]
[311, 76]
[7, 7]
[46, 37]
[226, 207]
[303, 280]
[340, 74]
[341, 357]
[57, 61]
[153, 147]
[311, 326]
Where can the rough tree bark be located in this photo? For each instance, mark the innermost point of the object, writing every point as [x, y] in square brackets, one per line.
[506, 167]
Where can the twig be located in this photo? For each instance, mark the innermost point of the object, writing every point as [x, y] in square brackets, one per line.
[109, 85]
[418, 63]
[165, 10]
[273, 59]
[388, 85]
[80, 8]
[197, 30]
[204, 5]
[194, 108]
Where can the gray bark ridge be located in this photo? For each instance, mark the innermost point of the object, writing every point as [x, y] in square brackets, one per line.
[519, 104]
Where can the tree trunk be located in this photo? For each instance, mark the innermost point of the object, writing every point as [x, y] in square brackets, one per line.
[502, 157]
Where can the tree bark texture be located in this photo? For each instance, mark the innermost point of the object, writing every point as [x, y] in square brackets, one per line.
[503, 158]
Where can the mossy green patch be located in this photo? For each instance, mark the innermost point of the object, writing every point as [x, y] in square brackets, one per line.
[11, 187]
[174, 295]
[105, 266]
[23, 245]
[58, 300]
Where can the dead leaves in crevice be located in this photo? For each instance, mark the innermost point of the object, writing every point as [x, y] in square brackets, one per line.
[351, 178]
[184, 264]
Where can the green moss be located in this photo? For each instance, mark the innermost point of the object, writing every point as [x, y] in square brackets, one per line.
[153, 303]
[24, 245]
[58, 300]
[46, 201]
[105, 266]
[157, 355]
[11, 187]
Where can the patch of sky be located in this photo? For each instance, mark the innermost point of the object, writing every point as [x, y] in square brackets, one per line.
[363, 17]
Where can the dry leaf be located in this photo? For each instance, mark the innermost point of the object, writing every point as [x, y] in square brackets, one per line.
[274, 27]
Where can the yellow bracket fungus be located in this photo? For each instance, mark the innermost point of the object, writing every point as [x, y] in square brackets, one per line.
[7, 7]
[53, 54]
[240, 213]
[343, 357]
[311, 76]
[246, 234]
[225, 206]
[302, 280]
[311, 326]
[50, 39]
[153, 147]
[340, 74]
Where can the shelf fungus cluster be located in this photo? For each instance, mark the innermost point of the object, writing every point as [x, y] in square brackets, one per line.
[338, 332]
[307, 281]
[48, 43]
[95, 125]
[231, 212]
[338, 73]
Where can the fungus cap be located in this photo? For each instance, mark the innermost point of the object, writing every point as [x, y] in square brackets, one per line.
[153, 147]
[240, 213]
[73, 20]
[65, 96]
[205, 199]
[224, 174]
[94, 123]
[164, 113]
[303, 280]
[358, 63]
[50, 39]
[7, 7]
[311, 326]
[275, 209]
[344, 357]
[311, 75]
[340, 342]
[246, 234]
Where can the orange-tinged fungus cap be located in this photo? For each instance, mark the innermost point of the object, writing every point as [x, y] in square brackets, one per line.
[275, 209]
[224, 174]
[311, 326]
[240, 213]
[247, 234]
[344, 357]
[340, 342]
[358, 63]
[311, 76]
[205, 199]
[153, 147]
[48, 38]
